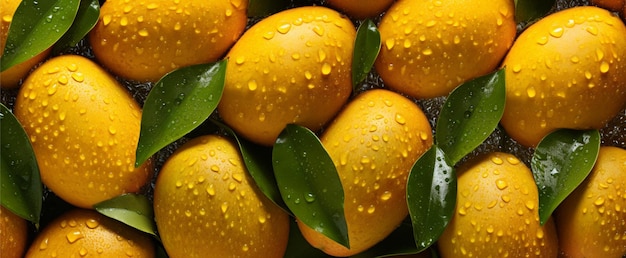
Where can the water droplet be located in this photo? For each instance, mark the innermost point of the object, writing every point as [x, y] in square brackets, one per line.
[400, 119]
[385, 196]
[592, 30]
[501, 184]
[390, 43]
[44, 244]
[224, 207]
[152, 6]
[210, 190]
[92, 223]
[371, 209]
[427, 51]
[326, 69]
[497, 160]
[318, 30]
[557, 32]
[542, 40]
[82, 251]
[506, 198]
[74, 236]
[283, 29]
[599, 201]
[124, 21]
[604, 67]
[143, 33]
[309, 197]
[531, 92]
[517, 68]
[252, 85]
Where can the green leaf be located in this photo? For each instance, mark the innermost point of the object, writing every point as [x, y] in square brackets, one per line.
[177, 104]
[298, 246]
[258, 161]
[134, 210]
[561, 161]
[527, 11]
[431, 196]
[262, 8]
[470, 114]
[366, 49]
[309, 183]
[85, 20]
[36, 26]
[20, 185]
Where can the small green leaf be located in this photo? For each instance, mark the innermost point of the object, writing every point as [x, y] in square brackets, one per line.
[258, 160]
[399, 242]
[527, 11]
[262, 8]
[85, 20]
[36, 26]
[309, 183]
[431, 196]
[20, 187]
[177, 104]
[298, 246]
[134, 210]
[470, 114]
[562, 161]
[366, 49]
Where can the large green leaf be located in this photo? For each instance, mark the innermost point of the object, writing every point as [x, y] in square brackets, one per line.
[562, 161]
[20, 184]
[258, 161]
[431, 196]
[177, 104]
[309, 183]
[85, 20]
[131, 209]
[366, 49]
[470, 114]
[527, 11]
[262, 8]
[36, 26]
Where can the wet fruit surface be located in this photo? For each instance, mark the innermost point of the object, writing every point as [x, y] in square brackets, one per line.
[565, 71]
[496, 212]
[373, 142]
[84, 127]
[145, 40]
[302, 75]
[204, 190]
[428, 48]
[13, 234]
[87, 233]
[592, 220]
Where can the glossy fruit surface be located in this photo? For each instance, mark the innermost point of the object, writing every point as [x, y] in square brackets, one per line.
[302, 75]
[84, 128]
[11, 77]
[205, 203]
[13, 234]
[497, 212]
[87, 233]
[373, 142]
[565, 71]
[361, 9]
[592, 220]
[143, 41]
[431, 47]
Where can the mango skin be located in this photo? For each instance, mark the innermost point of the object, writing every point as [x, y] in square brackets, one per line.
[84, 127]
[206, 204]
[13, 234]
[613, 5]
[361, 9]
[373, 143]
[87, 233]
[592, 220]
[143, 41]
[496, 212]
[302, 75]
[430, 47]
[10, 78]
[565, 71]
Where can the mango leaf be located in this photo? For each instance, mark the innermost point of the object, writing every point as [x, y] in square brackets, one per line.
[298, 246]
[20, 184]
[134, 210]
[36, 26]
[258, 161]
[366, 49]
[309, 183]
[527, 11]
[262, 8]
[177, 104]
[431, 196]
[85, 20]
[562, 161]
[470, 114]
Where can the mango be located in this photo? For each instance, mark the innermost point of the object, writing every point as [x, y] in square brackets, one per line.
[373, 143]
[565, 71]
[143, 41]
[84, 127]
[361, 9]
[206, 204]
[496, 212]
[291, 67]
[13, 234]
